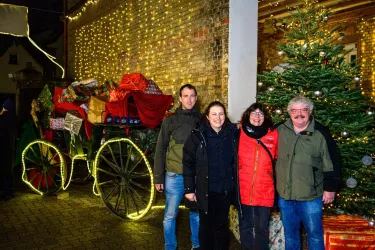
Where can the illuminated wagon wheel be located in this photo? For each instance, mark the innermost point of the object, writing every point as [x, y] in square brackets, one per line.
[124, 178]
[44, 169]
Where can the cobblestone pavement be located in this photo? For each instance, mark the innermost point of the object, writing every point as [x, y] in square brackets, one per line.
[81, 221]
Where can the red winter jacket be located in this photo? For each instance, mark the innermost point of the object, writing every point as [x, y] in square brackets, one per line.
[255, 172]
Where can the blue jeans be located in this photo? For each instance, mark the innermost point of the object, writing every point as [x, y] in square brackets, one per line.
[310, 214]
[174, 192]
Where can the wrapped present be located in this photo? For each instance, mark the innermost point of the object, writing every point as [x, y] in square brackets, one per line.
[46, 106]
[96, 109]
[88, 83]
[73, 122]
[117, 95]
[56, 123]
[153, 89]
[45, 99]
[348, 232]
[105, 89]
[134, 81]
[108, 86]
[83, 93]
[69, 94]
[85, 107]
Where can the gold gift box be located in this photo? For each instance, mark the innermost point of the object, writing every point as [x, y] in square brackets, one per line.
[96, 109]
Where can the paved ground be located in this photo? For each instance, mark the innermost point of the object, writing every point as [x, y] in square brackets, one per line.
[80, 221]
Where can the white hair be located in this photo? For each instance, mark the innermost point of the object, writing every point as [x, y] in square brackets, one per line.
[301, 100]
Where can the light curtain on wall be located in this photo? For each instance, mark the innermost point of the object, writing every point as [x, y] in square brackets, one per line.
[14, 22]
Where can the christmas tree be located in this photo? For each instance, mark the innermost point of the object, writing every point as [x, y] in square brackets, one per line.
[315, 67]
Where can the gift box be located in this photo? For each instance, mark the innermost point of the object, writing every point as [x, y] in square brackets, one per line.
[343, 232]
[153, 89]
[83, 93]
[346, 232]
[133, 81]
[69, 94]
[96, 109]
[46, 105]
[117, 95]
[45, 99]
[73, 122]
[56, 123]
[105, 89]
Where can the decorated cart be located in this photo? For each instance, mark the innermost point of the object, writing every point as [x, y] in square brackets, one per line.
[110, 128]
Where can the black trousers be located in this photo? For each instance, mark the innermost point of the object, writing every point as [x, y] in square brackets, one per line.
[214, 226]
[254, 227]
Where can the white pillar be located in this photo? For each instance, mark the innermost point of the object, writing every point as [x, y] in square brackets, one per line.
[243, 39]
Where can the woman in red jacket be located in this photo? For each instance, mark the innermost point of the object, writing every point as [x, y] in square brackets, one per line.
[257, 143]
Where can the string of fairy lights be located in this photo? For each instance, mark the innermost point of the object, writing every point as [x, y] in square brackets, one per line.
[153, 37]
[145, 40]
[366, 29]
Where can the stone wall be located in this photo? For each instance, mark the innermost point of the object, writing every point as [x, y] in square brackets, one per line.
[172, 42]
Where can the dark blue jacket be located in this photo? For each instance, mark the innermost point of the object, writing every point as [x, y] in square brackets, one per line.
[196, 166]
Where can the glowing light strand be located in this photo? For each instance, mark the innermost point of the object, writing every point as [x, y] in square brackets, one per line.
[133, 216]
[43, 144]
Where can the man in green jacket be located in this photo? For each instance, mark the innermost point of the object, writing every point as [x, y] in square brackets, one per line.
[168, 164]
[307, 174]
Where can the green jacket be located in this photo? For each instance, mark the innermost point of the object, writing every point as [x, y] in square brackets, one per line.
[308, 162]
[174, 131]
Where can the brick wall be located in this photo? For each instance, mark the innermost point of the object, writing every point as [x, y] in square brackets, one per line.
[267, 54]
[367, 54]
[173, 42]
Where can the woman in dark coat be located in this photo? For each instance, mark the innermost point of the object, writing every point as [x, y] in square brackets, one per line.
[7, 137]
[209, 170]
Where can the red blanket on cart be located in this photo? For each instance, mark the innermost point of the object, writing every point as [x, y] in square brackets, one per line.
[150, 109]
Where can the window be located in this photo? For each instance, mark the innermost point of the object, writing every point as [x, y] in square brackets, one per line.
[13, 59]
[351, 57]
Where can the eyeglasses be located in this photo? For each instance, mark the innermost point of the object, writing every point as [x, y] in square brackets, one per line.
[295, 111]
[254, 113]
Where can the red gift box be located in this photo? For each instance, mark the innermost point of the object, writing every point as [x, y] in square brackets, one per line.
[133, 81]
[56, 123]
[346, 232]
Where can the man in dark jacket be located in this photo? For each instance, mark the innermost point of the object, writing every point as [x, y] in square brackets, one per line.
[168, 164]
[307, 174]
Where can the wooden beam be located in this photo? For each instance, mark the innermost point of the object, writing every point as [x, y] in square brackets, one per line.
[334, 5]
[267, 3]
[76, 6]
[353, 13]
[270, 8]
